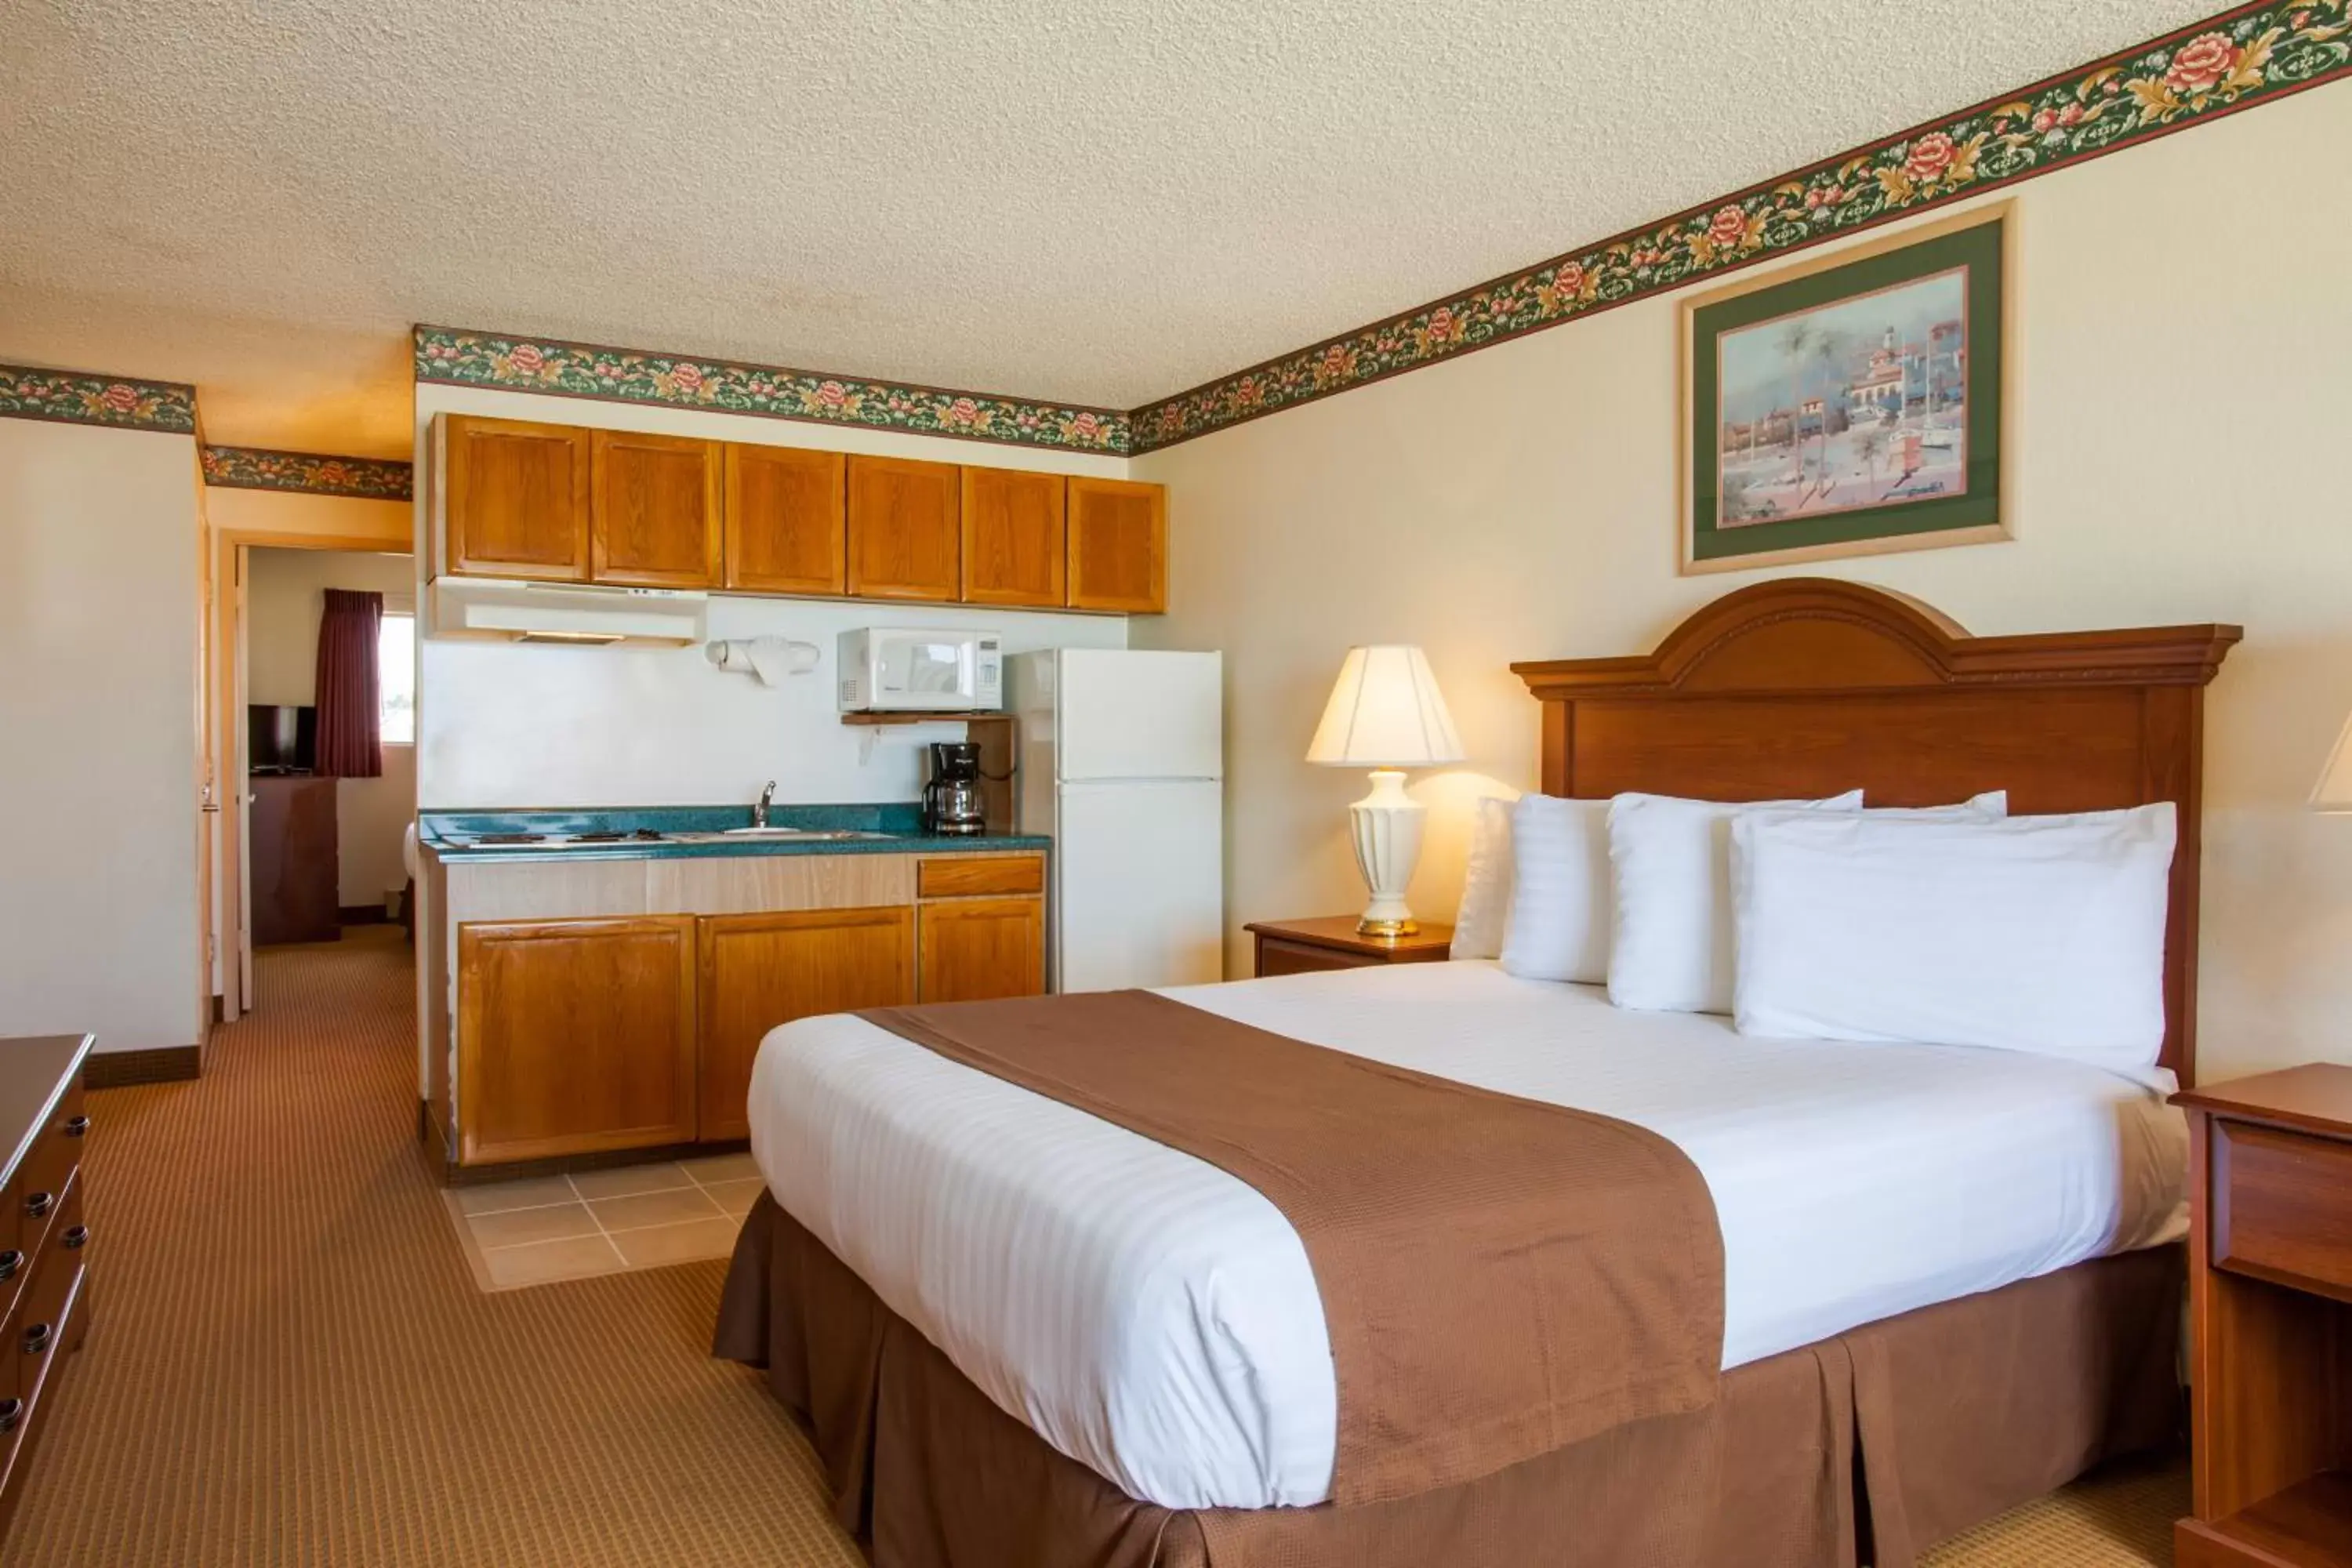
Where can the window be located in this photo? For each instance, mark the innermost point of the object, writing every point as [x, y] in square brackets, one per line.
[396, 679]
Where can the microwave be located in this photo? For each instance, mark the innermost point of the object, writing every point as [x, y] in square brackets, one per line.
[889, 668]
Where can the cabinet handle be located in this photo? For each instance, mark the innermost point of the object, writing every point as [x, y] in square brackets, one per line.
[11, 1261]
[11, 1412]
[36, 1339]
[75, 1238]
[39, 1203]
[76, 1126]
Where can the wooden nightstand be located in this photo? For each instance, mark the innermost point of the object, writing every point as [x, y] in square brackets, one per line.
[1330, 941]
[2270, 1293]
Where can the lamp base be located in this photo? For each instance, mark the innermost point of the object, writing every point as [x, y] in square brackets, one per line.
[1386, 826]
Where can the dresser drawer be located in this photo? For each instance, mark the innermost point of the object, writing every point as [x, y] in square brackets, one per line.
[980, 875]
[2281, 1206]
[36, 1333]
[49, 1170]
[1276, 956]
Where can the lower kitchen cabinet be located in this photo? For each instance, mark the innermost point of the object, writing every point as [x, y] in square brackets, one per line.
[578, 1031]
[971, 950]
[763, 970]
[576, 1036]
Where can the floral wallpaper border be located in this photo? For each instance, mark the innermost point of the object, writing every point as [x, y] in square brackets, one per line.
[310, 473]
[79, 398]
[2248, 55]
[462, 358]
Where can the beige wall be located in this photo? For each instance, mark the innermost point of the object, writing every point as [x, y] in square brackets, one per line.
[295, 513]
[2186, 384]
[284, 598]
[99, 642]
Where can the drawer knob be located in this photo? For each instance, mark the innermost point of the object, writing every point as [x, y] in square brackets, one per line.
[11, 1261]
[76, 1126]
[36, 1339]
[75, 1238]
[39, 1203]
[11, 1412]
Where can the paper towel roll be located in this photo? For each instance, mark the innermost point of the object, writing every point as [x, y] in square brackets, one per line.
[770, 659]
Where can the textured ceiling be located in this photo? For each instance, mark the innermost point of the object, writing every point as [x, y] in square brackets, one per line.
[1101, 204]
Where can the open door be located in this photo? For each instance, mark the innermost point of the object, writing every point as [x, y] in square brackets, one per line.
[209, 964]
[234, 933]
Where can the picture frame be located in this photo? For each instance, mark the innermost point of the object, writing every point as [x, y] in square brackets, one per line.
[1852, 404]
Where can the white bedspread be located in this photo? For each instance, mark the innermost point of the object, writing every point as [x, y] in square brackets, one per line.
[1156, 1318]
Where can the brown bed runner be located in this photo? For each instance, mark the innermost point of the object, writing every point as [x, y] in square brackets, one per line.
[1499, 1277]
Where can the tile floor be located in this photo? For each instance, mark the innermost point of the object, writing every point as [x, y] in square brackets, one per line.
[538, 1230]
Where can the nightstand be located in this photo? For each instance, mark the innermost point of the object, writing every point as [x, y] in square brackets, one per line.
[1330, 941]
[2270, 1294]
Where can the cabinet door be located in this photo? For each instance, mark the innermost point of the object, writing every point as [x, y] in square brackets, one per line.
[974, 949]
[1118, 546]
[656, 511]
[574, 1036]
[759, 971]
[905, 536]
[785, 522]
[1014, 546]
[515, 499]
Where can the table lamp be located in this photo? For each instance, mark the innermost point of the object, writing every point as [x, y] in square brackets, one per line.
[1386, 714]
[2333, 791]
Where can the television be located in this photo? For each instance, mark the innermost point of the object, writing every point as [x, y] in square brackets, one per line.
[280, 738]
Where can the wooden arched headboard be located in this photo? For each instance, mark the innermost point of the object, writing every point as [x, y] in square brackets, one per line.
[1807, 687]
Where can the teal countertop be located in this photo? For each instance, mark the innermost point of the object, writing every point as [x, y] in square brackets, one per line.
[898, 830]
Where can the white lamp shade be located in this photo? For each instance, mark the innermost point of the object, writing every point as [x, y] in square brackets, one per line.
[1385, 713]
[2334, 792]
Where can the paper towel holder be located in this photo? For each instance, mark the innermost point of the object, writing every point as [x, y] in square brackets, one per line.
[768, 659]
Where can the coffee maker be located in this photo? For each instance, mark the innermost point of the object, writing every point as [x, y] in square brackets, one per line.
[953, 802]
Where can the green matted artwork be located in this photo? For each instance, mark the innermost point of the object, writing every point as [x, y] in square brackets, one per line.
[1853, 405]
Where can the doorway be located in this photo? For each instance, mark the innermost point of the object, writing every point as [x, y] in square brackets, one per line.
[308, 846]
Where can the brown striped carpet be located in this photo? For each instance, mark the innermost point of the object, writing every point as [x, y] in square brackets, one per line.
[290, 1366]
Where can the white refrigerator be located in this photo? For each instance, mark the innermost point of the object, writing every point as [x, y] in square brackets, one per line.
[1122, 761]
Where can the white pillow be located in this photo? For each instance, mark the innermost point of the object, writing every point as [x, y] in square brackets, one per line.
[1485, 884]
[1992, 805]
[1672, 948]
[1558, 928]
[2035, 933]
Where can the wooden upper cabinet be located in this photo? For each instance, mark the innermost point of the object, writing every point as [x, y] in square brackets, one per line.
[785, 527]
[574, 1036]
[656, 512]
[1118, 546]
[975, 950]
[1014, 547]
[514, 498]
[759, 971]
[904, 535]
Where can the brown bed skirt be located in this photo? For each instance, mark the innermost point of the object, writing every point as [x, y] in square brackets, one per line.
[1861, 1449]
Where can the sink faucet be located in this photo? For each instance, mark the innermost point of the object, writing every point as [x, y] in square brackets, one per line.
[760, 812]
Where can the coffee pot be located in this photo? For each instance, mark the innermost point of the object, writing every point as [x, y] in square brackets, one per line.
[952, 800]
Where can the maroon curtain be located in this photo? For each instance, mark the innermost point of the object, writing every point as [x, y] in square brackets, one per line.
[350, 742]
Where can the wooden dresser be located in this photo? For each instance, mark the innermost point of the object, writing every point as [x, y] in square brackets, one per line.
[2269, 1291]
[43, 1242]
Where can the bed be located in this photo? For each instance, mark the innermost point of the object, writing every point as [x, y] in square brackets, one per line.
[1021, 1334]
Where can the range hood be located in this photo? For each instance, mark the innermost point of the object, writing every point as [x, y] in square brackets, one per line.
[589, 612]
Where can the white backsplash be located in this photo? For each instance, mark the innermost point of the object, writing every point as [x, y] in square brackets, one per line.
[504, 725]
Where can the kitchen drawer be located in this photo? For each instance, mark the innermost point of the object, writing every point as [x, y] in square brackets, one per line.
[2281, 1206]
[979, 874]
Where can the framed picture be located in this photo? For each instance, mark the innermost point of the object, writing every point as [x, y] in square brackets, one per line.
[1852, 404]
